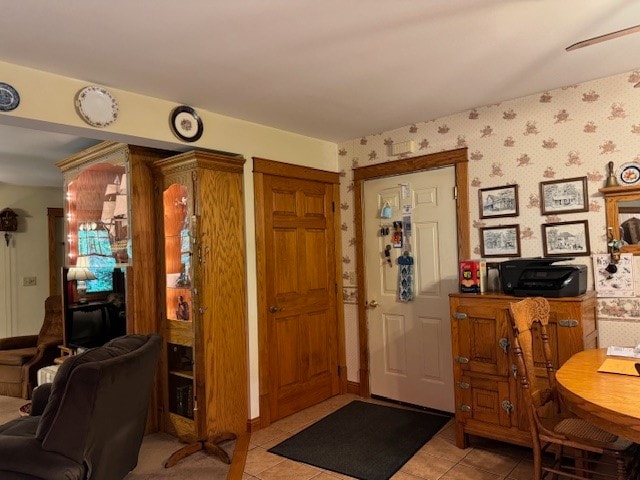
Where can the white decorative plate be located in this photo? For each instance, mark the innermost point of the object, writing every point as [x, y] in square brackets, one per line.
[629, 173]
[97, 106]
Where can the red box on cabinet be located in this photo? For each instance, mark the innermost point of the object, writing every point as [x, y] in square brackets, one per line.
[473, 276]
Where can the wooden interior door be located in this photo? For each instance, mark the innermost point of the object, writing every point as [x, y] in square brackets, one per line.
[299, 348]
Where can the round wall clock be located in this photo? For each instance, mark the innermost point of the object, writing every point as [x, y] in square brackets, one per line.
[97, 106]
[186, 124]
[9, 98]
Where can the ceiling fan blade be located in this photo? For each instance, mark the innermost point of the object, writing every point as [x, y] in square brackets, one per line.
[602, 38]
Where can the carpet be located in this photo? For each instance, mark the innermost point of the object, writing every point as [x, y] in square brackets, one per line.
[363, 440]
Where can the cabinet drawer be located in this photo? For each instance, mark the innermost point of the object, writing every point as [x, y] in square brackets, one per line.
[487, 400]
[483, 340]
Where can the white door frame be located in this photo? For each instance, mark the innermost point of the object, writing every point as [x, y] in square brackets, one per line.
[459, 159]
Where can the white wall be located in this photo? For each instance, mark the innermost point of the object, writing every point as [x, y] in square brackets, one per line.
[27, 255]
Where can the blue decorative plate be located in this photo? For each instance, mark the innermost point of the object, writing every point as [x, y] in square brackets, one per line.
[9, 98]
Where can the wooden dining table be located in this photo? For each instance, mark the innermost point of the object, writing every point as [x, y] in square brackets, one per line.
[609, 400]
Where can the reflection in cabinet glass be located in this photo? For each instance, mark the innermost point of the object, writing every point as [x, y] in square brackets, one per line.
[98, 215]
[177, 247]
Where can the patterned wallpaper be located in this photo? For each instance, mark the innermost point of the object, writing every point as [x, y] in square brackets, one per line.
[569, 132]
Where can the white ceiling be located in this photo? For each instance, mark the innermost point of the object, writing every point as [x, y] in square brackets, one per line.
[331, 69]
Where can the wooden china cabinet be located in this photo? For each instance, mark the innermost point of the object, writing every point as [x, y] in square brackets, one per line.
[110, 222]
[487, 395]
[200, 218]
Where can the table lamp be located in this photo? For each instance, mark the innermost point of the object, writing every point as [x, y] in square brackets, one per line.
[80, 273]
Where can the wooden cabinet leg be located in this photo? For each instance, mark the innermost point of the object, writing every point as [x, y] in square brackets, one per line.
[210, 445]
[462, 438]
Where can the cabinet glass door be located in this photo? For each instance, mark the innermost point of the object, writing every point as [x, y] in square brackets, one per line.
[177, 252]
[97, 215]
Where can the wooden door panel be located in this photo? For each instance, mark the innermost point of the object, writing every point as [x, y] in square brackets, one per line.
[284, 262]
[283, 202]
[319, 351]
[314, 205]
[315, 241]
[286, 335]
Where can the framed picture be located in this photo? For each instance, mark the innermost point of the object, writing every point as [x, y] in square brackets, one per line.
[566, 238]
[498, 201]
[350, 294]
[564, 196]
[502, 241]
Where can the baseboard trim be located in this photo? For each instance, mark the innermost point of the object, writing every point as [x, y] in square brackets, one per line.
[253, 424]
[353, 387]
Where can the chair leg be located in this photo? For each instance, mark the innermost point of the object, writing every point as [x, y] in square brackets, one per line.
[537, 462]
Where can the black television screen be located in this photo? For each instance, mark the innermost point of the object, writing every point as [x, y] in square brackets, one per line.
[98, 320]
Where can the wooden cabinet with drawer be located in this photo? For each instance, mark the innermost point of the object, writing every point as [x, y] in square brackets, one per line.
[487, 395]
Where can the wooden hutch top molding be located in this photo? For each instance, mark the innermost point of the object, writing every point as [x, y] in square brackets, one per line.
[105, 152]
[201, 160]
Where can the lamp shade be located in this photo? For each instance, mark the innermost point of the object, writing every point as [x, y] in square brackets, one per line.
[81, 270]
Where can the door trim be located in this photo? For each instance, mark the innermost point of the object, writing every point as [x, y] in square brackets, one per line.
[262, 167]
[457, 158]
[54, 273]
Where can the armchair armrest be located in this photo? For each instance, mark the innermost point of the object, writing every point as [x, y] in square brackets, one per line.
[40, 398]
[13, 343]
[49, 342]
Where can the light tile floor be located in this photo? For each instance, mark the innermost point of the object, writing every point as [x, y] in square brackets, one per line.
[438, 459]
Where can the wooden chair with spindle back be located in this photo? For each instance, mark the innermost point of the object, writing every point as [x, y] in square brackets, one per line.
[576, 442]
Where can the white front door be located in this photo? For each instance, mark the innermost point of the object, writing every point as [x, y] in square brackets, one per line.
[410, 341]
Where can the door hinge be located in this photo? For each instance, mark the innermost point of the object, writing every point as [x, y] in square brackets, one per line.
[455, 192]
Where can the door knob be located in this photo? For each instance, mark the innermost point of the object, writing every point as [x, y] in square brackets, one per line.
[274, 309]
[372, 304]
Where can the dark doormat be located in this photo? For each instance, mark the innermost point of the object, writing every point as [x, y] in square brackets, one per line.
[363, 440]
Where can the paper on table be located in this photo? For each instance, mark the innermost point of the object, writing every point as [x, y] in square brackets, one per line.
[630, 352]
[619, 365]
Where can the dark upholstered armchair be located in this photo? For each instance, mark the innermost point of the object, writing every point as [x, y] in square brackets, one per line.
[88, 423]
[22, 357]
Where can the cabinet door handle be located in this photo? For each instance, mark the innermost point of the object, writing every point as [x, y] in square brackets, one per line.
[465, 408]
[460, 359]
[507, 406]
[460, 316]
[504, 344]
[274, 309]
[568, 322]
[463, 385]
